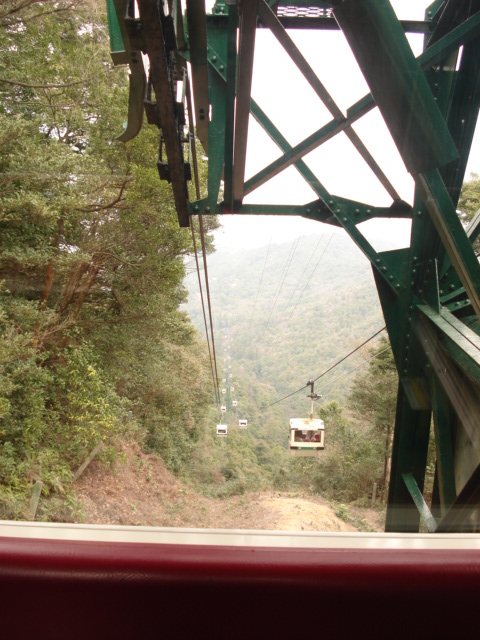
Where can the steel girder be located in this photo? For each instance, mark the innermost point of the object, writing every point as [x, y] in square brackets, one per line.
[429, 292]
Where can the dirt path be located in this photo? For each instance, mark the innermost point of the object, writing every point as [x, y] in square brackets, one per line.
[140, 491]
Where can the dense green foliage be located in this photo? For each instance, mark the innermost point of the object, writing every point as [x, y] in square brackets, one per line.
[353, 461]
[91, 263]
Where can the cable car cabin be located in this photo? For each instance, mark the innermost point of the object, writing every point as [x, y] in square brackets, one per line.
[235, 403]
[224, 391]
[223, 408]
[307, 437]
[242, 424]
[222, 430]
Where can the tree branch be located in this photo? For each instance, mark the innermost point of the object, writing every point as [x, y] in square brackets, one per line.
[94, 208]
[29, 85]
[8, 16]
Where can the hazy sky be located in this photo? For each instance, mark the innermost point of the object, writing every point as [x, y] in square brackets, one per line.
[291, 104]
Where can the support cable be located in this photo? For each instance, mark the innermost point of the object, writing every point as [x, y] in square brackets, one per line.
[311, 275]
[211, 350]
[347, 373]
[204, 251]
[281, 283]
[350, 354]
[320, 238]
[261, 280]
[212, 369]
[286, 322]
[328, 370]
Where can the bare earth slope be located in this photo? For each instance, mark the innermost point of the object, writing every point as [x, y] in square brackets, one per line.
[138, 490]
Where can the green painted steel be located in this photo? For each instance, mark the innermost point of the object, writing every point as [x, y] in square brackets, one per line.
[231, 80]
[117, 46]
[455, 241]
[420, 503]
[124, 51]
[397, 83]
[444, 424]
[197, 55]
[430, 291]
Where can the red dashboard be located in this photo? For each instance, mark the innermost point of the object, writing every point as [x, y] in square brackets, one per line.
[62, 581]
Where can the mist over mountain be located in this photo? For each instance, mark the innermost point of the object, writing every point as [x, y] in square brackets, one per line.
[286, 313]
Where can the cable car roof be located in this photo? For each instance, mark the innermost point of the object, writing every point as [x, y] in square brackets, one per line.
[306, 423]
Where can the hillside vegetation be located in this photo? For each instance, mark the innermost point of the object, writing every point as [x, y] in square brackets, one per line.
[92, 342]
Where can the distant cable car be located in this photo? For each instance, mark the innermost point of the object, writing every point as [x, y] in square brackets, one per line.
[222, 430]
[307, 435]
[224, 379]
[242, 424]
[223, 408]
[232, 389]
[235, 403]
[229, 375]
[224, 391]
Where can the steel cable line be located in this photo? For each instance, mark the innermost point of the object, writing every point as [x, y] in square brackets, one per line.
[215, 379]
[305, 271]
[285, 322]
[311, 275]
[350, 354]
[261, 280]
[213, 358]
[204, 251]
[347, 373]
[281, 283]
[285, 397]
[328, 370]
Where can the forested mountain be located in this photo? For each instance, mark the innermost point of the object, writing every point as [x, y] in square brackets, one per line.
[291, 311]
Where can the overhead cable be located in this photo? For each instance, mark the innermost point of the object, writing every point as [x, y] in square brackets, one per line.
[328, 370]
[350, 354]
[311, 275]
[211, 351]
[212, 368]
[281, 283]
[347, 373]
[261, 280]
[285, 322]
